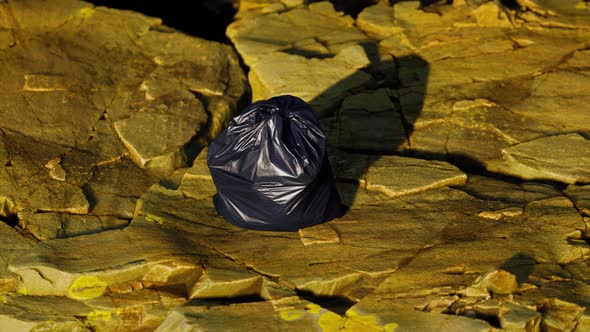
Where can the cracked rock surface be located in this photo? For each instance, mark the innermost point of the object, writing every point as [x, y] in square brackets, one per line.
[458, 133]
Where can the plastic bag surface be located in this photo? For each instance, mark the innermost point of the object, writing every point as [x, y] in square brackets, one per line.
[271, 169]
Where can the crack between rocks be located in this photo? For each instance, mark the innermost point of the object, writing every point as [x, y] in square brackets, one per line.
[172, 215]
[275, 278]
[43, 276]
[585, 235]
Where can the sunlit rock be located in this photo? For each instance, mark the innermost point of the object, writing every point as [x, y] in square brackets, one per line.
[323, 82]
[561, 158]
[255, 37]
[514, 317]
[377, 20]
[560, 315]
[397, 176]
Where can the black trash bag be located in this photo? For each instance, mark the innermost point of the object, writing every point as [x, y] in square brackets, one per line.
[271, 168]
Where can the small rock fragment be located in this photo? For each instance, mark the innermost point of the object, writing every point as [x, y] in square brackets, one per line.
[223, 279]
[44, 83]
[179, 275]
[497, 215]
[56, 171]
[319, 234]
[377, 20]
[491, 15]
[489, 308]
[498, 282]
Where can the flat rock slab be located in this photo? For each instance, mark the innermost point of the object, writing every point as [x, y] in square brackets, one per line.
[31, 313]
[83, 267]
[291, 313]
[398, 176]
[317, 31]
[45, 226]
[321, 82]
[563, 158]
[420, 249]
[377, 21]
[146, 88]
[383, 314]
[12, 245]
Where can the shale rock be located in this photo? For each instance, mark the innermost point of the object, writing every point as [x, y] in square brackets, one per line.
[560, 158]
[323, 82]
[452, 130]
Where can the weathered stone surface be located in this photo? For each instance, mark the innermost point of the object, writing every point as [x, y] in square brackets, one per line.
[197, 182]
[377, 20]
[491, 15]
[490, 189]
[12, 245]
[323, 82]
[580, 195]
[290, 313]
[560, 158]
[559, 98]
[45, 226]
[156, 141]
[319, 234]
[113, 190]
[560, 315]
[370, 122]
[317, 32]
[226, 279]
[459, 83]
[496, 215]
[498, 282]
[514, 317]
[143, 71]
[397, 176]
[376, 313]
[32, 313]
[80, 267]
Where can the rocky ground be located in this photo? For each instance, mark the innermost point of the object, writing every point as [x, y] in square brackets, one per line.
[459, 134]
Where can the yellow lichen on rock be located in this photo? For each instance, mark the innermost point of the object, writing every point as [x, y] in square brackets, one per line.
[100, 315]
[155, 219]
[86, 12]
[87, 287]
[313, 308]
[290, 314]
[330, 322]
[370, 322]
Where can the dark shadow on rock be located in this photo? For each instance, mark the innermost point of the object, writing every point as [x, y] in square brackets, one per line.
[372, 119]
[224, 301]
[348, 7]
[10, 219]
[521, 265]
[205, 19]
[337, 304]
